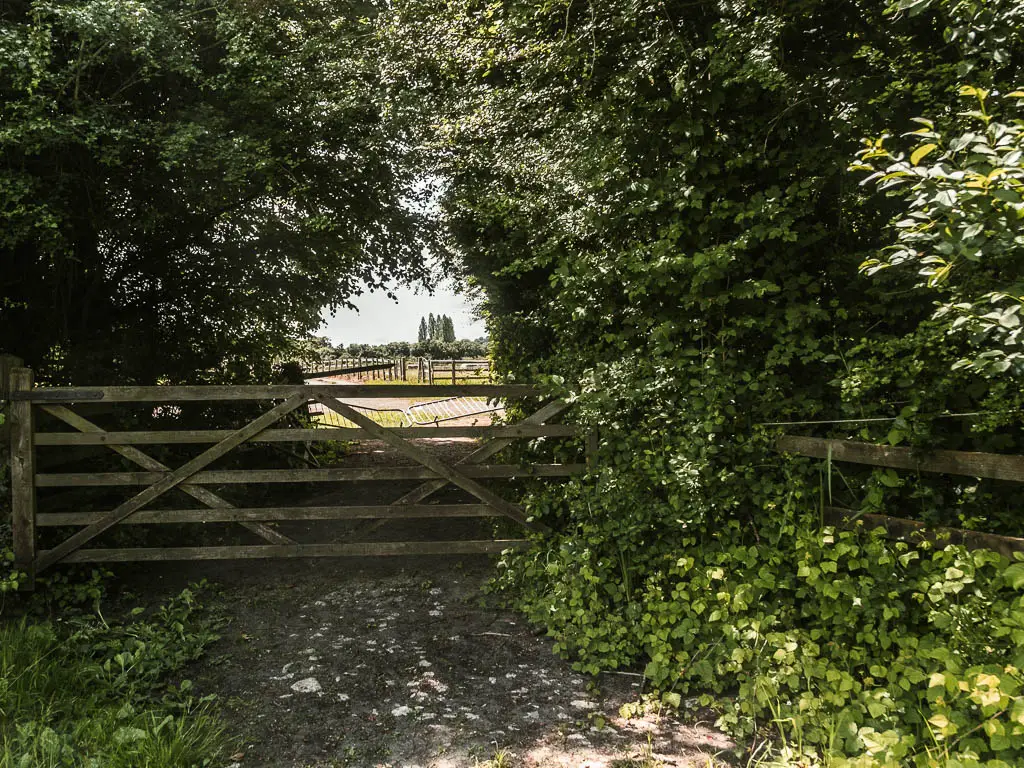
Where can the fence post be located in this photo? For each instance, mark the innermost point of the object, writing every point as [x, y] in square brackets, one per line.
[453, 371]
[593, 445]
[23, 476]
[7, 364]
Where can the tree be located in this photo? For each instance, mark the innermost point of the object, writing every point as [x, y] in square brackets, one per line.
[431, 327]
[423, 334]
[961, 186]
[184, 185]
[447, 329]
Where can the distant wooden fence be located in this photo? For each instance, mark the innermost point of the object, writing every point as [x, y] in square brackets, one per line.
[28, 402]
[455, 371]
[385, 369]
[968, 463]
[421, 369]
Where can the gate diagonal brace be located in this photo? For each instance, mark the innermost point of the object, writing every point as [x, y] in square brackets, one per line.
[207, 497]
[173, 479]
[480, 455]
[422, 457]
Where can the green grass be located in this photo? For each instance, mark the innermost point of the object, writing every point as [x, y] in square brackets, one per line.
[92, 694]
[384, 418]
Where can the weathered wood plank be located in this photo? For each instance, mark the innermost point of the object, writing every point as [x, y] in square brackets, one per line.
[173, 394]
[168, 481]
[238, 514]
[321, 434]
[990, 465]
[913, 530]
[484, 452]
[339, 474]
[145, 461]
[419, 455]
[23, 472]
[299, 550]
[7, 364]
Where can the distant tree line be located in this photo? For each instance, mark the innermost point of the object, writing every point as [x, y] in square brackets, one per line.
[440, 328]
[313, 351]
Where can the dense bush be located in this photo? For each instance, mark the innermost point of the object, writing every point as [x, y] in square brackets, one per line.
[658, 200]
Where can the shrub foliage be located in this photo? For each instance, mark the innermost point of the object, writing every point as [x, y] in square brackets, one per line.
[658, 199]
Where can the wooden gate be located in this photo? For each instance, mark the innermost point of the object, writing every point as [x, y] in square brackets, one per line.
[193, 476]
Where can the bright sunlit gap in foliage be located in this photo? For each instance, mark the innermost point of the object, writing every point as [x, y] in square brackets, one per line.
[379, 319]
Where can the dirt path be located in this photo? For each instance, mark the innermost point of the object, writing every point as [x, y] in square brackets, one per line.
[326, 663]
[399, 662]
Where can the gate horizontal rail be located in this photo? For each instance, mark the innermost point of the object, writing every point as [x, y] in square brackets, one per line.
[320, 434]
[194, 476]
[212, 392]
[329, 475]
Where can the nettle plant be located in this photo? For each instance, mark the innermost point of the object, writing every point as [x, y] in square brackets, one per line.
[963, 230]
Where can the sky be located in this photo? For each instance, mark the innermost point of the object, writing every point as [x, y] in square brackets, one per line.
[380, 320]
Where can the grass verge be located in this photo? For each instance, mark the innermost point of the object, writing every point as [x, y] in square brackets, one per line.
[84, 692]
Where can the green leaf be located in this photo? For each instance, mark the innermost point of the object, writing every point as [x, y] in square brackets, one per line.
[921, 152]
[1014, 575]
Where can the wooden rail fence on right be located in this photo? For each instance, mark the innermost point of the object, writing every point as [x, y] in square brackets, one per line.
[968, 463]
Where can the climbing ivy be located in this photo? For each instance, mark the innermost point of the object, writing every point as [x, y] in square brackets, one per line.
[657, 198]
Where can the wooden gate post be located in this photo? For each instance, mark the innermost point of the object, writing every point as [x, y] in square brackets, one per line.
[23, 476]
[7, 364]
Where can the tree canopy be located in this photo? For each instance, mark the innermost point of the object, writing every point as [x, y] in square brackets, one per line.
[185, 186]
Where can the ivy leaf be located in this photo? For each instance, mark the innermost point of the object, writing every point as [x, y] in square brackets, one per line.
[1014, 575]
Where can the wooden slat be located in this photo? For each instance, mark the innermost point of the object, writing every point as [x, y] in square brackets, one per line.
[484, 452]
[419, 455]
[913, 530]
[175, 394]
[298, 550]
[329, 475]
[23, 472]
[990, 465]
[168, 481]
[321, 434]
[206, 496]
[238, 514]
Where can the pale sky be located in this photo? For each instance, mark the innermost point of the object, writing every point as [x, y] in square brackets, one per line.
[380, 320]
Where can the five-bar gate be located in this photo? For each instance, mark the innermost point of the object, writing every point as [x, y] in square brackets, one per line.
[195, 475]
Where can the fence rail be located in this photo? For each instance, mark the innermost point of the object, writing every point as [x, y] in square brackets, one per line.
[215, 392]
[421, 369]
[968, 463]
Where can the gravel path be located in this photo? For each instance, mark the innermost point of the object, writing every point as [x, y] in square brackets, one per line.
[398, 663]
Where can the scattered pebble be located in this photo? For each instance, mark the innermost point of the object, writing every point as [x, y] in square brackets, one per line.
[307, 685]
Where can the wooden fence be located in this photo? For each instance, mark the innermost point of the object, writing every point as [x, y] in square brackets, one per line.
[193, 477]
[420, 369]
[968, 463]
[455, 371]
